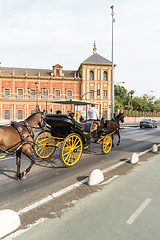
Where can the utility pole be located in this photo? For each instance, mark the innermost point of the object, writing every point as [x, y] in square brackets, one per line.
[113, 20]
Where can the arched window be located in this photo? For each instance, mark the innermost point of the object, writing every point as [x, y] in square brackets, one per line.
[91, 75]
[104, 76]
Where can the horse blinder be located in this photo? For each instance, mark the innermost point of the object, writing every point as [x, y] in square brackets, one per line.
[42, 123]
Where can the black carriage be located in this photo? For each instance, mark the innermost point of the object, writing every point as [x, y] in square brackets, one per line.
[71, 137]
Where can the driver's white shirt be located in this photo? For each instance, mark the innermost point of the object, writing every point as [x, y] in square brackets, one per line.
[93, 113]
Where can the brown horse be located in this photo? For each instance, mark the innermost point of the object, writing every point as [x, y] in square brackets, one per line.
[19, 137]
[113, 125]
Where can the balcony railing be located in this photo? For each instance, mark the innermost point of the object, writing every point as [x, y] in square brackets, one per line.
[68, 97]
[6, 96]
[104, 97]
[57, 97]
[19, 96]
[44, 96]
[32, 96]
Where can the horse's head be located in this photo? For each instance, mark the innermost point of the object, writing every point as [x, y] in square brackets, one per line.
[121, 118]
[41, 121]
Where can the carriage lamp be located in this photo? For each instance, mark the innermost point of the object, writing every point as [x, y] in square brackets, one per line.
[37, 84]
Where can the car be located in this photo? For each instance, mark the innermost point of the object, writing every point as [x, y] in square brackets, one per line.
[148, 123]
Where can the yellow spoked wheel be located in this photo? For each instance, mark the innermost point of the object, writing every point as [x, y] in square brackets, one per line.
[107, 144]
[45, 144]
[71, 150]
[86, 147]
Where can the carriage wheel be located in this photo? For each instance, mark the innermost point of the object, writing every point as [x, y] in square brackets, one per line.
[86, 147]
[107, 144]
[71, 150]
[45, 145]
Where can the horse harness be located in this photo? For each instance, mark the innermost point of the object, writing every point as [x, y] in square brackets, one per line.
[20, 130]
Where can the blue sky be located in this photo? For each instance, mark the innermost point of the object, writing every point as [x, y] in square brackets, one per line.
[42, 33]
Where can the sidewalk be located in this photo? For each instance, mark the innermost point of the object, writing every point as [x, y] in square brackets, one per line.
[126, 208]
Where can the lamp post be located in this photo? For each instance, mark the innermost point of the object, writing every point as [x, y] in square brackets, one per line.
[36, 93]
[119, 83]
[98, 93]
[37, 85]
[116, 85]
[113, 20]
[145, 99]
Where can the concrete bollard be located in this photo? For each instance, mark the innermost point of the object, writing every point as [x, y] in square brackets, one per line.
[134, 158]
[9, 221]
[154, 148]
[95, 177]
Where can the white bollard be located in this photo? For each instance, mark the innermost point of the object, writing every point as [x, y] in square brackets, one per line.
[134, 158]
[95, 177]
[154, 148]
[9, 221]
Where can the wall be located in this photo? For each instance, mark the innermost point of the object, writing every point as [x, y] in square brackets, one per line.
[137, 119]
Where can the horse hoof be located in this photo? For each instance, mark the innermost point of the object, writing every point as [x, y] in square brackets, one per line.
[117, 144]
[23, 175]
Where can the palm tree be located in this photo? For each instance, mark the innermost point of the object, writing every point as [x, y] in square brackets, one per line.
[131, 93]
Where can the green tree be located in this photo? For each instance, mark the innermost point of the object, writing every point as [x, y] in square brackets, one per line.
[120, 97]
[138, 104]
[149, 103]
[157, 105]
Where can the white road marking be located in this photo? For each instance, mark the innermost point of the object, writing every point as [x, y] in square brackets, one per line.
[138, 211]
[109, 180]
[115, 166]
[34, 205]
[51, 197]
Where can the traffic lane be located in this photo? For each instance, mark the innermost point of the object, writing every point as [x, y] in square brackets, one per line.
[126, 208]
[130, 134]
[129, 138]
[47, 176]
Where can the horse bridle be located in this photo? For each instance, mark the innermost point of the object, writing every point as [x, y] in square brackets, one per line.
[29, 128]
[42, 121]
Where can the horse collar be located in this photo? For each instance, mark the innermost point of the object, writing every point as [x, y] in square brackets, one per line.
[29, 128]
[19, 129]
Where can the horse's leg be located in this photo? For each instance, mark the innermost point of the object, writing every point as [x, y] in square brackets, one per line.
[118, 137]
[18, 162]
[30, 156]
[112, 140]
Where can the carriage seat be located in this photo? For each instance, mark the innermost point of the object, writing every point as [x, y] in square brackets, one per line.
[89, 126]
[97, 122]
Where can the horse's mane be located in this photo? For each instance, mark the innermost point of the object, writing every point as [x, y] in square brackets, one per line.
[117, 116]
[32, 115]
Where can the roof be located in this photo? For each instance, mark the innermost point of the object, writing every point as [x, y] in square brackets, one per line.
[75, 102]
[96, 58]
[35, 72]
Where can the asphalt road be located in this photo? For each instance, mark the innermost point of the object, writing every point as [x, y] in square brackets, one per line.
[48, 177]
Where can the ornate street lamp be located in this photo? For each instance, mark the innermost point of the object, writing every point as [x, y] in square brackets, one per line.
[36, 94]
